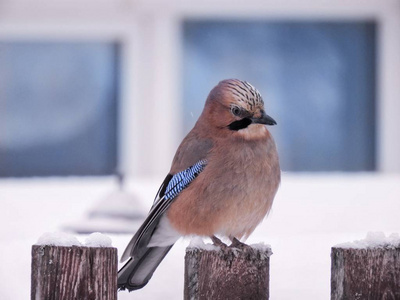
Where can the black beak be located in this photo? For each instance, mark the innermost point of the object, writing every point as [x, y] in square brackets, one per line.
[264, 119]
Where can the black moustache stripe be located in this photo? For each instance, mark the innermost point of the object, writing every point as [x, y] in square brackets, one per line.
[240, 124]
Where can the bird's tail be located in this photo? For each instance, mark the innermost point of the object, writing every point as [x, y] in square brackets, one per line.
[137, 272]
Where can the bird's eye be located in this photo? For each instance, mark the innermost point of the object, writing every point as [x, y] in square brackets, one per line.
[235, 111]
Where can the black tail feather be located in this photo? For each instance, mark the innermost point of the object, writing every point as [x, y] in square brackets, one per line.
[137, 272]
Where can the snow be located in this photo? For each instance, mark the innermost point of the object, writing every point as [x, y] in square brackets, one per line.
[119, 203]
[197, 243]
[98, 239]
[87, 224]
[311, 214]
[58, 239]
[373, 240]
[118, 211]
[263, 248]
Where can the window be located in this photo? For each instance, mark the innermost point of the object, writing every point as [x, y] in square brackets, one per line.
[58, 108]
[317, 80]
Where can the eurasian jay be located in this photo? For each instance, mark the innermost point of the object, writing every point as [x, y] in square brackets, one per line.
[222, 181]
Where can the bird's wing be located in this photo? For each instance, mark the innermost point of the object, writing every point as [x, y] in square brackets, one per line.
[170, 188]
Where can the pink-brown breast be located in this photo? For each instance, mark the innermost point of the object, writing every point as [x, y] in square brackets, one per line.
[233, 193]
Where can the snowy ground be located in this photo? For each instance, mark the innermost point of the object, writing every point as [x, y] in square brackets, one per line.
[311, 213]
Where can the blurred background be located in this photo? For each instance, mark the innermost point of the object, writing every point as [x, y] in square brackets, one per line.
[95, 97]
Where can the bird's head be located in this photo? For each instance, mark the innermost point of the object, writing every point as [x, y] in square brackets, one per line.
[237, 106]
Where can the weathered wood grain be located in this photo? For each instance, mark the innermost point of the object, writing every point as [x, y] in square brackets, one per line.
[73, 273]
[229, 273]
[365, 274]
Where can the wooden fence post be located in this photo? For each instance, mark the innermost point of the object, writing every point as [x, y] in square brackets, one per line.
[228, 273]
[371, 273]
[73, 273]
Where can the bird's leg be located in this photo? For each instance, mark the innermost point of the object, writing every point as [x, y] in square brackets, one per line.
[217, 242]
[237, 244]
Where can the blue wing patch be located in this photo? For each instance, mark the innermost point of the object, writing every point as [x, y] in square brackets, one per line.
[182, 179]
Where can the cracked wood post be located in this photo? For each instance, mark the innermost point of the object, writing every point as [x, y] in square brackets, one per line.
[74, 273]
[229, 273]
[371, 273]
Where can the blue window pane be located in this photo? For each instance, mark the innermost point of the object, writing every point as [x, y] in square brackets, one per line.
[58, 106]
[317, 80]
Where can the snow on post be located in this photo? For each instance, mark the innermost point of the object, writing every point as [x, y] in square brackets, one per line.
[227, 273]
[63, 268]
[366, 269]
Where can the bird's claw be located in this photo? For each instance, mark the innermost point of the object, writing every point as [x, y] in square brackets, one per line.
[217, 242]
[238, 244]
[235, 243]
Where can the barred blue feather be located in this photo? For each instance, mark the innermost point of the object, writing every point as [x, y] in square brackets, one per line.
[182, 179]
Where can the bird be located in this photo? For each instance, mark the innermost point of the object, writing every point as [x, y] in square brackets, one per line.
[222, 182]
